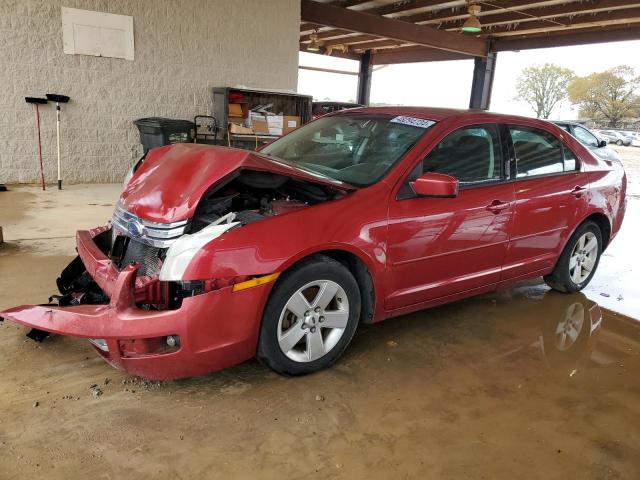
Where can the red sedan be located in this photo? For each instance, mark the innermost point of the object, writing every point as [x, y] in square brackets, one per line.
[216, 255]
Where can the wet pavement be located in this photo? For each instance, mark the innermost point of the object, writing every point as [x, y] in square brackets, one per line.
[521, 383]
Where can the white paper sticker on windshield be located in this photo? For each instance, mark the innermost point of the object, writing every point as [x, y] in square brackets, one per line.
[414, 122]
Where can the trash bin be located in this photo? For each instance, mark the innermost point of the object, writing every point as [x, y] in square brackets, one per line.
[158, 131]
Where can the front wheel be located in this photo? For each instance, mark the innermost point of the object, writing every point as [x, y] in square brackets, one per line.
[578, 261]
[619, 142]
[310, 318]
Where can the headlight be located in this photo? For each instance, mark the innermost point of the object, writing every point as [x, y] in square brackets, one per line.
[182, 251]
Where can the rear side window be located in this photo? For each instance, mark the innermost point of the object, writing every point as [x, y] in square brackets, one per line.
[585, 137]
[537, 152]
[471, 154]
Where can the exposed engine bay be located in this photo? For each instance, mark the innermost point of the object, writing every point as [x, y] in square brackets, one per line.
[252, 196]
[244, 197]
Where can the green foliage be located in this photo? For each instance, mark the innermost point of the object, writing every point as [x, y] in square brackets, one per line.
[609, 96]
[543, 87]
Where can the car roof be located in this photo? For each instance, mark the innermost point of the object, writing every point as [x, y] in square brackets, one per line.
[328, 102]
[439, 114]
[569, 122]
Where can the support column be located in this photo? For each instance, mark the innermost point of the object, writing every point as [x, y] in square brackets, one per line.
[483, 70]
[364, 78]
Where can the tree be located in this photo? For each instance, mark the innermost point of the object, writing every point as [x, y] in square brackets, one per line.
[543, 87]
[609, 96]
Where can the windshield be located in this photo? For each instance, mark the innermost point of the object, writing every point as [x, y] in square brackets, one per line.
[356, 149]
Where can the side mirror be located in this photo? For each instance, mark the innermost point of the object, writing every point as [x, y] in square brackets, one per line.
[435, 185]
[602, 143]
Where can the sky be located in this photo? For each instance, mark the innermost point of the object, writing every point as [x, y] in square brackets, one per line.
[447, 84]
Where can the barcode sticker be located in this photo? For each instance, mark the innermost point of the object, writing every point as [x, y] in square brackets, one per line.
[413, 121]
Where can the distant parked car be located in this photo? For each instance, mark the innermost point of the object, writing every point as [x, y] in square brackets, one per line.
[323, 108]
[616, 137]
[635, 138]
[590, 140]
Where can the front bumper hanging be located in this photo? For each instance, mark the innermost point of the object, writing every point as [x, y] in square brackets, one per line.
[215, 329]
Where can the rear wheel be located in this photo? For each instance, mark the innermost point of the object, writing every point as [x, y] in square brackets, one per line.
[578, 261]
[310, 318]
[619, 142]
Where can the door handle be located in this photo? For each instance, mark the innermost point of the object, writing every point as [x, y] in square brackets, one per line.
[578, 191]
[497, 206]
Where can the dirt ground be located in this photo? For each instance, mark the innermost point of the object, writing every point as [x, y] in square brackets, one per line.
[485, 388]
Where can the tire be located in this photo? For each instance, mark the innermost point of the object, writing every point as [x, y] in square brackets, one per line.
[565, 276]
[295, 338]
[619, 143]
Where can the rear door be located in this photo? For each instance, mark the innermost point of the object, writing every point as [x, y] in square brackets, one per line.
[443, 246]
[550, 200]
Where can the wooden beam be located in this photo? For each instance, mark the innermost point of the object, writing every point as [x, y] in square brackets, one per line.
[378, 44]
[355, 39]
[564, 39]
[399, 7]
[551, 13]
[415, 55]
[327, 70]
[394, 29]
[579, 21]
[335, 53]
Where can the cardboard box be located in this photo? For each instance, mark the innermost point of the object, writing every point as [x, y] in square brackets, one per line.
[275, 131]
[235, 110]
[290, 123]
[239, 129]
[259, 124]
[275, 121]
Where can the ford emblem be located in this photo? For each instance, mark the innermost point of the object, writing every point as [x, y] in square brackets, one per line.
[135, 228]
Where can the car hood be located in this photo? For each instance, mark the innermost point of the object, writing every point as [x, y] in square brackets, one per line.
[172, 179]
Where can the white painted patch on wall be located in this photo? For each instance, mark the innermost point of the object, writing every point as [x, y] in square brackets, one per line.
[85, 32]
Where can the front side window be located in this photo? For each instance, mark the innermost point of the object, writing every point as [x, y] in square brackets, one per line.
[585, 137]
[356, 149]
[537, 152]
[472, 154]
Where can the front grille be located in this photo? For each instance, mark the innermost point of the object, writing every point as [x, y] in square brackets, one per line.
[146, 255]
[154, 234]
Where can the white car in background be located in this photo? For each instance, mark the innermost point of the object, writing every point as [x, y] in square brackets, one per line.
[635, 138]
[613, 136]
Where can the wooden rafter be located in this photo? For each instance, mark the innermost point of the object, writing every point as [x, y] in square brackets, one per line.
[561, 39]
[553, 14]
[575, 22]
[391, 30]
[367, 23]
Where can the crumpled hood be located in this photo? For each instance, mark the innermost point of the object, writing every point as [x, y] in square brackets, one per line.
[172, 179]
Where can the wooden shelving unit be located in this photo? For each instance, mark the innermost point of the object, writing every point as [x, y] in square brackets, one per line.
[287, 103]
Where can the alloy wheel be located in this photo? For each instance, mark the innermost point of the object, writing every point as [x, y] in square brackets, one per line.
[583, 258]
[313, 321]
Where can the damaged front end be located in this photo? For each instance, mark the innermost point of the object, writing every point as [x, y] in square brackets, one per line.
[126, 291]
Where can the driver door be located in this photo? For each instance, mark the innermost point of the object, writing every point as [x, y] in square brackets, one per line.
[443, 246]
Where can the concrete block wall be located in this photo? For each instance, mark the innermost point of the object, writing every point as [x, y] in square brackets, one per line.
[182, 49]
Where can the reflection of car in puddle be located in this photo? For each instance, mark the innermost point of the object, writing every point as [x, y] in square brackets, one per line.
[573, 334]
[571, 323]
